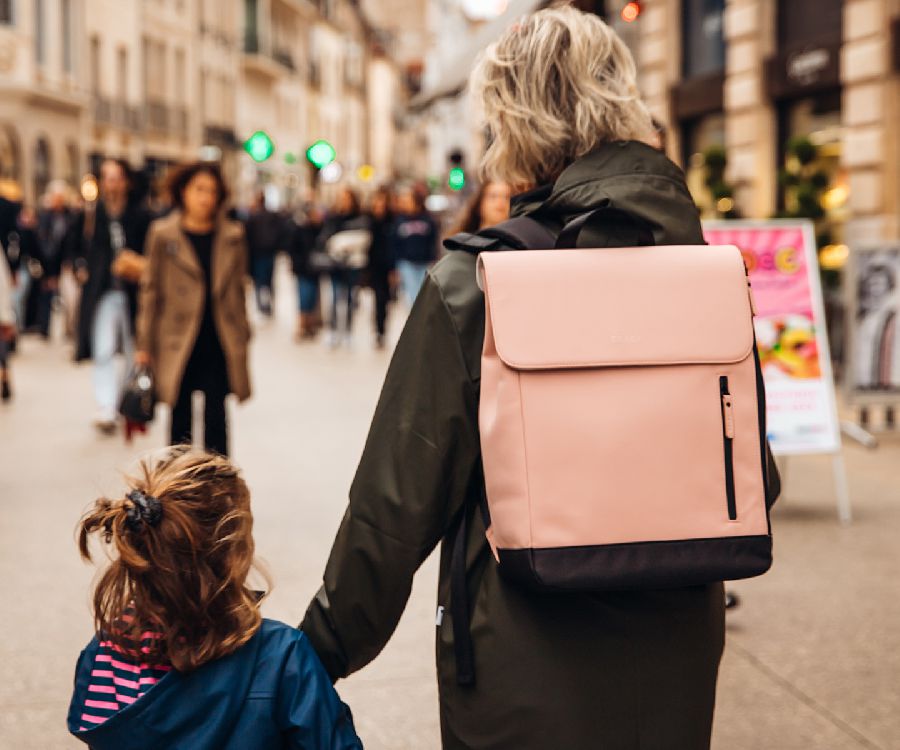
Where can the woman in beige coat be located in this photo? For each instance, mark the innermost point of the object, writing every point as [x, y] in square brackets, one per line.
[192, 323]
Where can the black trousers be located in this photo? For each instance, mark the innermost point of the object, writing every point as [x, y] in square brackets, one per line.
[213, 383]
[382, 288]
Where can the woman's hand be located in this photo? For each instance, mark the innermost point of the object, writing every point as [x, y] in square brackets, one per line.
[142, 359]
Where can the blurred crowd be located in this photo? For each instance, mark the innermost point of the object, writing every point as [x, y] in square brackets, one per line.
[89, 262]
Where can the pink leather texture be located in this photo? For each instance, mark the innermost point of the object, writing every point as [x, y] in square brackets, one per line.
[601, 414]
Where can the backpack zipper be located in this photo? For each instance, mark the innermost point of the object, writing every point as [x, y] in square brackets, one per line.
[728, 439]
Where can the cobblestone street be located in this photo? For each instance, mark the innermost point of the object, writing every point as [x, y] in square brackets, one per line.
[813, 653]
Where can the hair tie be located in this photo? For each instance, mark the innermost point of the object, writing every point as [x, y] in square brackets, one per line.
[144, 510]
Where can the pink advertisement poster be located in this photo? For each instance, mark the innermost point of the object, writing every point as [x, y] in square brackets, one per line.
[790, 331]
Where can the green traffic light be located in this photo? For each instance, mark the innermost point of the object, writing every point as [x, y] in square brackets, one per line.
[321, 154]
[457, 179]
[260, 146]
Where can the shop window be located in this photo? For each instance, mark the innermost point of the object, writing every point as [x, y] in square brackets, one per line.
[704, 149]
[812, 181]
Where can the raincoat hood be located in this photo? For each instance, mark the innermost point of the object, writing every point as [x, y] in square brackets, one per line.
[626, 176]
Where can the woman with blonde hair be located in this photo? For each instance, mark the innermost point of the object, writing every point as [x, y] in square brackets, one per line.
[621, 670]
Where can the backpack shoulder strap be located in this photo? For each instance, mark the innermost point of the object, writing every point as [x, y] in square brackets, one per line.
[520, 233]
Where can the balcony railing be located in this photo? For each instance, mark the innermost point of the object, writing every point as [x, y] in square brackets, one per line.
[103, 110]
[156, 117]
[283, 57]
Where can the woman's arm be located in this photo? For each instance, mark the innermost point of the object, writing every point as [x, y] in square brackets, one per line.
[412, 480]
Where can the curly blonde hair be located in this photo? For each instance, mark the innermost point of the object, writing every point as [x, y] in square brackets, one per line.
[553, 88]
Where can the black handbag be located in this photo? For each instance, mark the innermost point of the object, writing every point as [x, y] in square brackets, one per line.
[138, 397]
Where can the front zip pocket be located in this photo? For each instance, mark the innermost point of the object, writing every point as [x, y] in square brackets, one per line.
[728, 440]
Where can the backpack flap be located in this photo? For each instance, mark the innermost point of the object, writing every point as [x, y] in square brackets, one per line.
[621, 434]
[618, 306]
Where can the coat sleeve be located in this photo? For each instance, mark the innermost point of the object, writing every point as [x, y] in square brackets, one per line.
[308, 709]
[411, 482]
[773, 490]
[149, 296]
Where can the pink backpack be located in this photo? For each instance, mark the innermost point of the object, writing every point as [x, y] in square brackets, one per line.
[622, 415]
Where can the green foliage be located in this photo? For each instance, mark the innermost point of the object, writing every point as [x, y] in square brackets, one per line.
[803, 149]
[715, 160]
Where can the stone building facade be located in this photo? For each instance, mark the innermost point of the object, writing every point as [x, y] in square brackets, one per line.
[163, 81]
[750, 75]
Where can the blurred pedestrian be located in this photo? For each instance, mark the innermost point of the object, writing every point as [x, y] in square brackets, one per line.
[109, 261]
[381, 270]
[622, 669]
[25, 249]
[306, 228]
[346, 238]
[192, 327]
[487, 208]
[415, 240]
[181, 655]
[265, 237]
[7, 327]
[55, 223]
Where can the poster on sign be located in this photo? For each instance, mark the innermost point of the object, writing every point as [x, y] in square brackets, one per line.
[780, 256]
[874, 285]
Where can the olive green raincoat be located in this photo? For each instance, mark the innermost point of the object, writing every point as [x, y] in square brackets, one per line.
[612, 671]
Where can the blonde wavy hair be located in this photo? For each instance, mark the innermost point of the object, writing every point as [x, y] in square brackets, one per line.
[553, 88]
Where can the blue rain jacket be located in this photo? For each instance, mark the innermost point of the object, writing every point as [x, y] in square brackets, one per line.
[271, 693]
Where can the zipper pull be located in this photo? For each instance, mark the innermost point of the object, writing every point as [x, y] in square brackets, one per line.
[728, 415]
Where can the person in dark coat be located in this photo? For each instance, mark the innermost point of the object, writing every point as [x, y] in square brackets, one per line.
[182, 657]
[345, 238]
[55, 236]
[25, 247]
[265, 237]
[381, 270]
[305, 230]
[192, 324]
[108, 263]
[623, 670]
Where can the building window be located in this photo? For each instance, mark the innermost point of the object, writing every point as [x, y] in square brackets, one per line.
[703, 138]
[74, 156]
[95, 65]
[251, 26]
[704, 41]
[42, 168]
[40, 45]
[6, 12]
[809, 21]
[122, 74]
[180, 67]
[68, 34]
[9, 153]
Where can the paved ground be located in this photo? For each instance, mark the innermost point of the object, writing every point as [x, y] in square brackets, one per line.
[813, 656]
